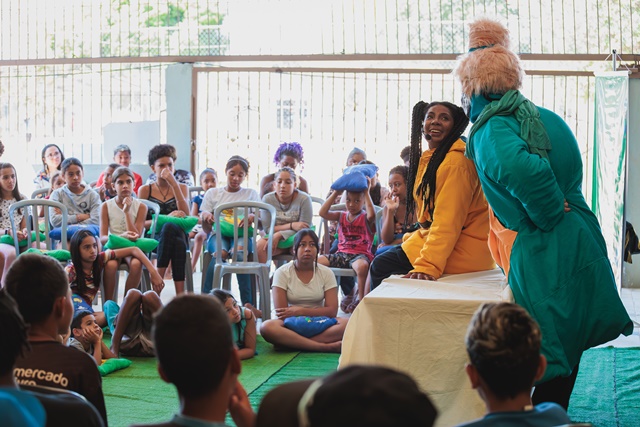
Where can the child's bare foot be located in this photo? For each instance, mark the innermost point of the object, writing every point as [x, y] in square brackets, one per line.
[257, 313]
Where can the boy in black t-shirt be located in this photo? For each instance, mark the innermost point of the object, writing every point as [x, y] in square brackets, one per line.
[39, 285]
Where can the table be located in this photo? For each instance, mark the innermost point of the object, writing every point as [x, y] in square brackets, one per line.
[419, 327]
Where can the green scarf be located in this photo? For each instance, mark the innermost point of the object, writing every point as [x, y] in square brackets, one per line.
[525, 112]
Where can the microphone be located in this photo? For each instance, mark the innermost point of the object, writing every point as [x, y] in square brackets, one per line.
[426, 136]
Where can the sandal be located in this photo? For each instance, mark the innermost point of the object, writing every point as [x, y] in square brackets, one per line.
[347, 301]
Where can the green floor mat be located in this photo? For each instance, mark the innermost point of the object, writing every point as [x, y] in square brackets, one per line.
[137, 394]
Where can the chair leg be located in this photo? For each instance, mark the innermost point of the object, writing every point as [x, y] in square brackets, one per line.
[188, 274]
[206, 259]
[265, 294]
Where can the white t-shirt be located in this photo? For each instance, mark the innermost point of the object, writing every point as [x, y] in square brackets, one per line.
[215, 196]
[308, 295]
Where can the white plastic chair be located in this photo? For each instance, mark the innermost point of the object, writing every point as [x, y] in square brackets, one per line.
[30, 210]
[265, 214]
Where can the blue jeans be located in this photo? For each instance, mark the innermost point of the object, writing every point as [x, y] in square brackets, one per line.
[244, 280]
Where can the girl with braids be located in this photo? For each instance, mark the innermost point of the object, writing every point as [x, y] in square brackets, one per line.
[444, 192]
[288, 154]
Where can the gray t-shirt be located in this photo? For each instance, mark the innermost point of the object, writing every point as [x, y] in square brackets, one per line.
[299, 210]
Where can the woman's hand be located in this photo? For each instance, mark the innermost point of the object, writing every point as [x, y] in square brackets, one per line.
[22, 234]
[168, 176]
[177, 213]
[391, 203]
[566, 206]
[419, 276]
[285, 312]
[130, 235]
[81, 217]
[156, 282]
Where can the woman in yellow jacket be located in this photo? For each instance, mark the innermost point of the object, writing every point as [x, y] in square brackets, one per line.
[451, 208]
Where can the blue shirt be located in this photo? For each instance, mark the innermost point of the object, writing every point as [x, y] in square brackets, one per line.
[20, 408]
[543, 415]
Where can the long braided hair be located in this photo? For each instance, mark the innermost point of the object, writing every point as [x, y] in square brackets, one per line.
[427, 187]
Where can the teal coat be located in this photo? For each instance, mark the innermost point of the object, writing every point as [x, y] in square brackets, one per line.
[559, 270]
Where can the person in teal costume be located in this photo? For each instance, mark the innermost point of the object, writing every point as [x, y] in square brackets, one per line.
[530, 168]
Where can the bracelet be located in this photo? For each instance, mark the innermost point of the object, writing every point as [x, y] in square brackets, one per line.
[6, 231]
[290, 226]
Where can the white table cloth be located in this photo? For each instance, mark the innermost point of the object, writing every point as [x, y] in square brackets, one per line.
[419, 327]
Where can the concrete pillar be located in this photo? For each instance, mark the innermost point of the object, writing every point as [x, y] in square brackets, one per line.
[178, 79]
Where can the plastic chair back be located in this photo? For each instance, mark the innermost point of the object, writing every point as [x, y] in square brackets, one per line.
[30, 209]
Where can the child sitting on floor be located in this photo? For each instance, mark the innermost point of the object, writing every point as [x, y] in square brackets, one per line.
[130, 324]
[503, 343]
[87, 336]
[243, 323]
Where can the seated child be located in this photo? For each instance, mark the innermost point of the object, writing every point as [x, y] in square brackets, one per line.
[503, 344]
[106, 190]
[89, 267]
[87, 336]
[130, 324]
[122, 156]
[195, 351]
[83, 204]
[55, 407]
[356, 228]
[394, 221]
[208, 179]
[243, 323]
[39, 285]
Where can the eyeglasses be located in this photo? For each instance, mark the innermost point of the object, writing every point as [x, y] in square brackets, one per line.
[52, 155]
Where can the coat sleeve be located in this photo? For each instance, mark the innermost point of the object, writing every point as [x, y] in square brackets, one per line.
[527, 177]
[456, 185]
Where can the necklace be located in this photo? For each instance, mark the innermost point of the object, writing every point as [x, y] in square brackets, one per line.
[282, 208]
[165, 194]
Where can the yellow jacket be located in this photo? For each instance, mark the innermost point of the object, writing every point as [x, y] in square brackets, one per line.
[456, 242]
